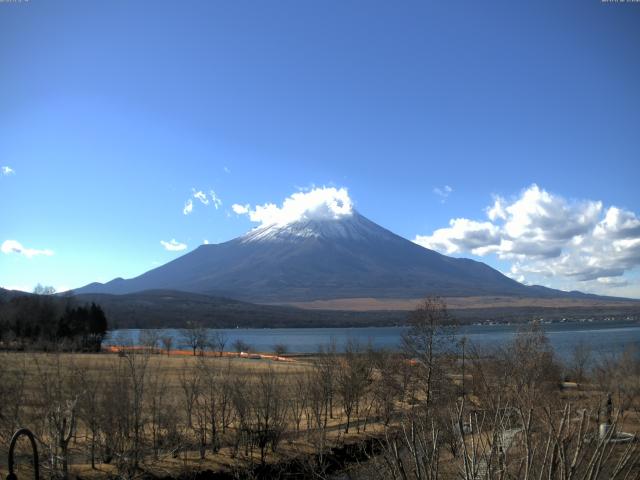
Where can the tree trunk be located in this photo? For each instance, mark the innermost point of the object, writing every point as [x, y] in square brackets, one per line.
[93, 451]
[65, 461]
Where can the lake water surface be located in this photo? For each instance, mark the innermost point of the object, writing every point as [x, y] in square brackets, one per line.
[605, 338]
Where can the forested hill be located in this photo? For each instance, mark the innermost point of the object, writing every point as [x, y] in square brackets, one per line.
[50, 321]
[173, 309]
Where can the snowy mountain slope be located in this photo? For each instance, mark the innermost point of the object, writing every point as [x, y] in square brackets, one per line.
[322, 258]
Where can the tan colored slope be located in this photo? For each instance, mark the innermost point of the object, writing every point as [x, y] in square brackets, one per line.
[367, 304]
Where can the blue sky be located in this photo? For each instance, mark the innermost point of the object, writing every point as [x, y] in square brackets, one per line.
[113, 114]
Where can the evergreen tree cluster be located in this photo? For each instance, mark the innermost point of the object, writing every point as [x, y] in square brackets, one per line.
[46, 321]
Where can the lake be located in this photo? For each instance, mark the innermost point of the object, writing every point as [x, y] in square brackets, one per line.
[605, 338]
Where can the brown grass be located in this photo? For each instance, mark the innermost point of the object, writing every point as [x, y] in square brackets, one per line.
[376, 304]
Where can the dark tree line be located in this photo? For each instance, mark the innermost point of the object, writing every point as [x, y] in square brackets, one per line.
[47, 321]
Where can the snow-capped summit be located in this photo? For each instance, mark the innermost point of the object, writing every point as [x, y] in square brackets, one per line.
[352, 227]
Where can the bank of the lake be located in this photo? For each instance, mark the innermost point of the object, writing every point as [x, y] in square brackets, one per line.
[604, 338]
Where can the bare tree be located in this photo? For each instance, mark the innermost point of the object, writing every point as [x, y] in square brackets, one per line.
[217, 342]
[387, 388]
[240, 346]
[114, 413]
[167, 343]
[354, 376]
[91, 391]
[134, 370]
[240, 398]
[430, 336]
[202, 412]
[195, 336]
[619, 375]
[531, 368]
[190, 384]
[321, 390]
[149, 339]
[268, 407]
[556, 444]
[58, 406]
[326, 366]
[44, 290]
[12, 393]
[225, 376]
[280, 349]
[580, 359]
[523, 373]
[298, 394]
[158, 412]
[215, 399]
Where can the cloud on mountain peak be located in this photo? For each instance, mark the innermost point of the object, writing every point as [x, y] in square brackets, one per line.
[319, 203]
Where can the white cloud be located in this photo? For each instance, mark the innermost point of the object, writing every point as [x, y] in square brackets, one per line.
[173, 245]
[613, 282]
[240, 209]
[226, 169]
[200, 195]
[443, 192]
[317, 203]
[215, 200]
[462, 235]
[618, 223]
[6, 170]
[545, 235]
[497, 210]
[540, 217]
[188, 207]
[205, 242]
[12, 246]
[205, 199]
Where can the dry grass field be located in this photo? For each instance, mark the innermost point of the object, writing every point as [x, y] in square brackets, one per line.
[460, 303]
[176, 385]
[137, 413]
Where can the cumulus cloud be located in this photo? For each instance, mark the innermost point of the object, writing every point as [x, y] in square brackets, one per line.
[188, 207]
[461, 235]
[618, 224]
[173, 245]
[317, 203]
[546, 235]
[443, 192]
[613, 282]
[240, 209]
[6, 170]
[12, 246]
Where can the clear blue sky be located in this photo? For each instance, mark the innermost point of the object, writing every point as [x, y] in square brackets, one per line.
[113, 112]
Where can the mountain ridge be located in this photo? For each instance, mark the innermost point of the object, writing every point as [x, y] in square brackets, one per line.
[321, 259]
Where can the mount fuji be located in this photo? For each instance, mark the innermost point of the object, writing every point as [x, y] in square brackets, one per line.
[315, 259]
